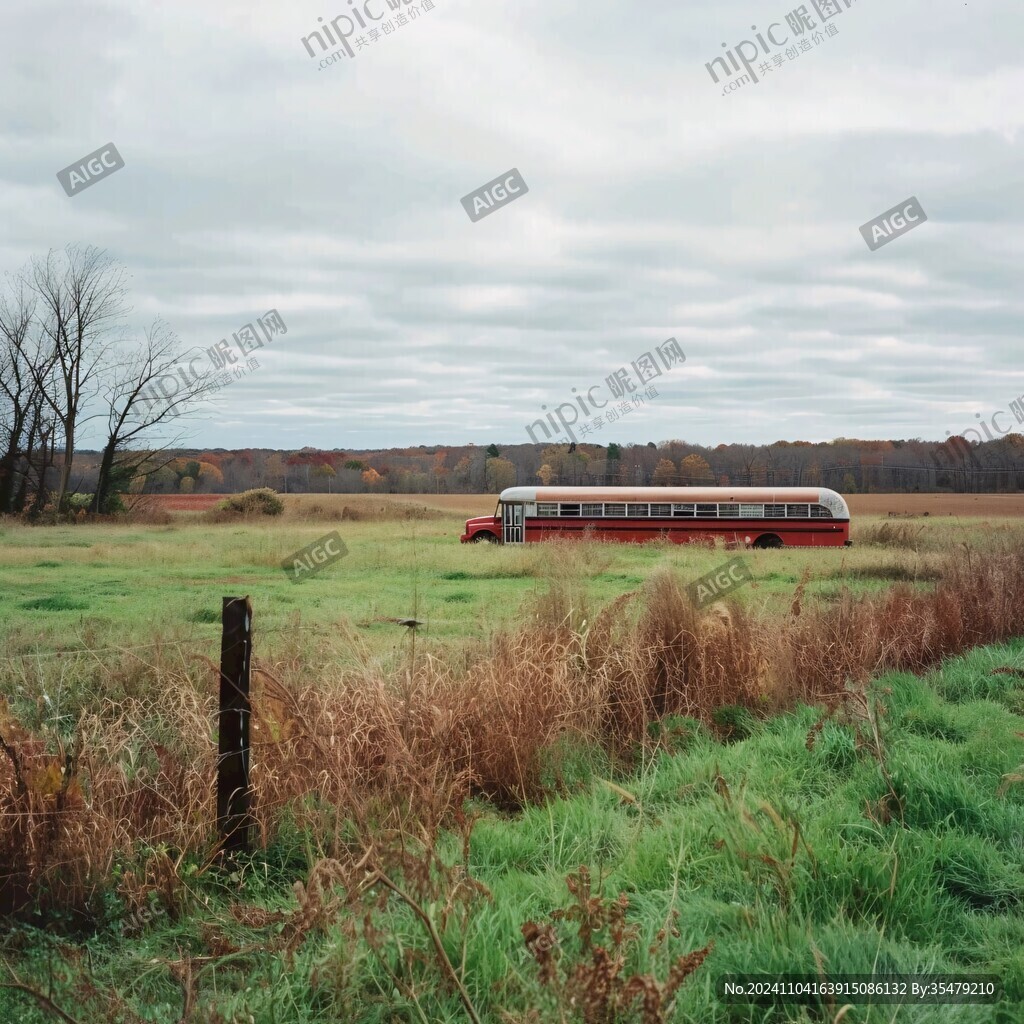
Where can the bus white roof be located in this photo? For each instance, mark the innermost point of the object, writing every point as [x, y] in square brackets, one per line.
[679, 495]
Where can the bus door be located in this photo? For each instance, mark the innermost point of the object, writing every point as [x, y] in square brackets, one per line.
[512, 523]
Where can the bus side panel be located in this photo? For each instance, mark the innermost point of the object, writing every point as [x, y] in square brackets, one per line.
[793, 533]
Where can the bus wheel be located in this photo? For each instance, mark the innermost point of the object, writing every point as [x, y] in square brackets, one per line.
[768, 540]
[487, 537]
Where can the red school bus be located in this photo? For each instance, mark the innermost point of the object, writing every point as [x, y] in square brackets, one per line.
[758, 517]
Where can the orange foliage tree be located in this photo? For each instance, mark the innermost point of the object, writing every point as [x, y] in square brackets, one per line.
[664, 473]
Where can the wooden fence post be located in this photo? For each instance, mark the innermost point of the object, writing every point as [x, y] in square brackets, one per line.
[233, 818]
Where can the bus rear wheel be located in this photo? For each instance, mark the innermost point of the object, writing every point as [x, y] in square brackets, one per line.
[768, 540]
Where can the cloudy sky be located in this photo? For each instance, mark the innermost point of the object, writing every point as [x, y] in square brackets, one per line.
[255, 178]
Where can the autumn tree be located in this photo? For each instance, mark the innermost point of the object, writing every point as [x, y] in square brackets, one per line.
[161, 479]
[275, 471]
[566, 467]
[440, 470]
[372, 478]
[664, 473]
[499, 474]
[463, 469]
[325, 471]
[695, 470]
[210, 475]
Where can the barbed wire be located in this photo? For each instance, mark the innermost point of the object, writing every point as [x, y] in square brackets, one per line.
[256, 634]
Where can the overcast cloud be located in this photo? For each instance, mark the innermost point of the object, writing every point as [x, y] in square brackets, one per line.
[657, 207]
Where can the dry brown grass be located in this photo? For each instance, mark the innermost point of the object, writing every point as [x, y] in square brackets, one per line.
[68, 809]
[903, 535]
[361, 507]
[145, 509]
[354, 752]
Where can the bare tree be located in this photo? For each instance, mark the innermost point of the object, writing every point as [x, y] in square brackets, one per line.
[748, 454]
[133, 412]
[15, 381]
[24, 362]
[80, 295]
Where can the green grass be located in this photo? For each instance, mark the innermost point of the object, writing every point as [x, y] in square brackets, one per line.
[708, 833]
[111, 583]
[54, 603]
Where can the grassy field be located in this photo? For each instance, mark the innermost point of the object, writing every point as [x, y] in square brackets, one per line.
[448, 819]
[89, 586]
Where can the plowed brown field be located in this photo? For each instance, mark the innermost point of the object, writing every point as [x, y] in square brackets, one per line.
[186, 502]
[936, 504]
[860, 504]
[1009, 505]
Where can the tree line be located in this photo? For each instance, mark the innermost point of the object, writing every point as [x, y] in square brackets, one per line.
[846, 465]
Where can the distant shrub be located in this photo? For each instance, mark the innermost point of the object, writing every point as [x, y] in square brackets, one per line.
[74, 502]
[262, 501]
